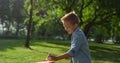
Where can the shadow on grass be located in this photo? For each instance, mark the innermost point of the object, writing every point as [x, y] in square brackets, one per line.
[105, 52]
[101, 52]
[10, 44]
[55, 44]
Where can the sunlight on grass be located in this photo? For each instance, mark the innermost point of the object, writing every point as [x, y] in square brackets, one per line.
[101, 61]
[13, 51]
[105, 53]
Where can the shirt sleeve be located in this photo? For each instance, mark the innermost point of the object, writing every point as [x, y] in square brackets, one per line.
[75, 45]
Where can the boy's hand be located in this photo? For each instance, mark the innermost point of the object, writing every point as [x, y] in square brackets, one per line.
[51, 58]
[46, 61]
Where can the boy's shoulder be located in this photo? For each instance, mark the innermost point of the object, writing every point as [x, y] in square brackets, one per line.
[77, 32]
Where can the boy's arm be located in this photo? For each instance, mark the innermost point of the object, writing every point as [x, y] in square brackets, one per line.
[63, 56]
[55, 58]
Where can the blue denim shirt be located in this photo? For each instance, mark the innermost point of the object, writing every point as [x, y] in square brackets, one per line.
[79, 48]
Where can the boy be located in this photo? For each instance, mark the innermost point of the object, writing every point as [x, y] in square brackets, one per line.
[79, 52]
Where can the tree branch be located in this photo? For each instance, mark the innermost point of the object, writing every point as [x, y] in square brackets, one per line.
[72, 4]
[80, 13]
[103, 20]
[88, 3]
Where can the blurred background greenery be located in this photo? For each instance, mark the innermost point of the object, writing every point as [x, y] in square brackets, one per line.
[40, 19]
[22, 21]
[99, 19]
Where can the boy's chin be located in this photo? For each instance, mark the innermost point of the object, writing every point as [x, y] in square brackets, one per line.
[69, 33]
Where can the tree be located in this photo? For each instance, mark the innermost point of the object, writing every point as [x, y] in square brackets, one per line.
[91, 13]
[18, 14]
[5, 15]
[94, 15]
[27, 45]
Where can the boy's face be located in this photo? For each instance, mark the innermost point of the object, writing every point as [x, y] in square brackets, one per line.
[69, 27]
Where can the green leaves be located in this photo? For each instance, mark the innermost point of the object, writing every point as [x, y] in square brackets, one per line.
[94, 14]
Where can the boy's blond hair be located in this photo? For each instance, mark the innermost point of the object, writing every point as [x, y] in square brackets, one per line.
[71, 17]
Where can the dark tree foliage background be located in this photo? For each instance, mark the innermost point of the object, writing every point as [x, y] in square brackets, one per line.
[99, 19]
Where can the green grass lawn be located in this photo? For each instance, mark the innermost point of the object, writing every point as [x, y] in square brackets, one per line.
[13, 51]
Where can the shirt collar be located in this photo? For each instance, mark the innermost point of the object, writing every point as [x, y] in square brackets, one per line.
[75, 30]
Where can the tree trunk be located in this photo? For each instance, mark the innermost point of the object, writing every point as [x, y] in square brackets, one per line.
[99, 39]
[2, 23]
[87, 29]
[90, 24]
[27, 43]
[17, 30]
